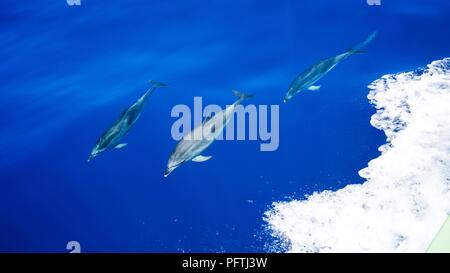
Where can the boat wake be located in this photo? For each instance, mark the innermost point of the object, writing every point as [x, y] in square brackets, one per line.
[406, 196]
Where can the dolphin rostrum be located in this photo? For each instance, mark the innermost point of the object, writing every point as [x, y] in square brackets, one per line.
[310, 76]
[201, 137]
[112, 136]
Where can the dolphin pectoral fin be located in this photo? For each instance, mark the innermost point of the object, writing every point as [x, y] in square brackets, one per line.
[314, 87]
[201, 158]
[120, 146]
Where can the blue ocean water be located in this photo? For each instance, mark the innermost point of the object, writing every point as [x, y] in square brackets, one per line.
[68, 72]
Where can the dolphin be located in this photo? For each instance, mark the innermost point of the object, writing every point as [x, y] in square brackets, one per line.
[112, 136]
[192, 145]
[310, 76]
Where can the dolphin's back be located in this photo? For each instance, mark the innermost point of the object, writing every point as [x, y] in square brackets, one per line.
[133, 113]
[111, 136]
[313, 74]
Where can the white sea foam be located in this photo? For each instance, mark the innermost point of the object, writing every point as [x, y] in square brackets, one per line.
[406, 195]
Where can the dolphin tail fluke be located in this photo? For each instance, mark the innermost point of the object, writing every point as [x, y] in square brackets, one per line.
[157, 84]
[370, 38]
[358, 48]
[242, 95]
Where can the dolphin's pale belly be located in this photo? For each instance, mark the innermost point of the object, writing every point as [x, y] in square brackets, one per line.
[189, 148]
